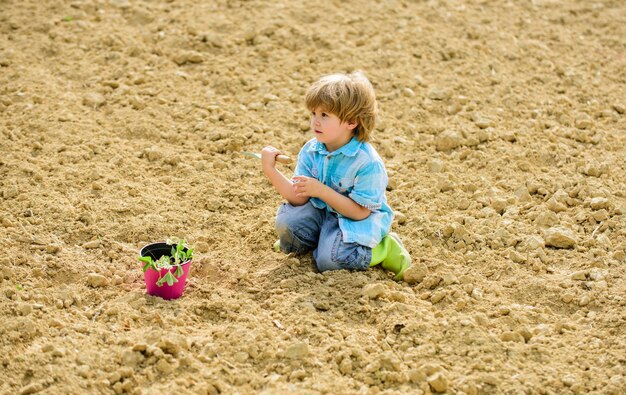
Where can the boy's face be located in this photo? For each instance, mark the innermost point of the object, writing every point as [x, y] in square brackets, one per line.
[330, 130]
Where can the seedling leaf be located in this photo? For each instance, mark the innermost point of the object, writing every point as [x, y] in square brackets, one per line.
[170, 279]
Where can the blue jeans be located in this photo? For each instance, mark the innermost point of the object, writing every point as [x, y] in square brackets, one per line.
[305, 228]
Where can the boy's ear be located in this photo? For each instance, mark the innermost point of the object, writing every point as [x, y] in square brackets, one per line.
[352, 125]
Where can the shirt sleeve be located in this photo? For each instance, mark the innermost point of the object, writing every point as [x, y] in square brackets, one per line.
[369, 186]
[305, 162]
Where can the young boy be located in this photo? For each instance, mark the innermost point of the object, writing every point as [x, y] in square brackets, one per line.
[336, 199]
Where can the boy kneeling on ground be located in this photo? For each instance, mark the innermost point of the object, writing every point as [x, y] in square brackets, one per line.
[336, 199]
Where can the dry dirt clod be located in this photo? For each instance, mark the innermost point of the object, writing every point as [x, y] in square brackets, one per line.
[436, 166]
[164, 366]
[618, 107]
[373, 291]
[560, 237]
[579, 275]
[481, 121]
[10, 192]
[447, 140]
[401, 218]
[288, 283]
[297, 351]
[517, 257]
[188, 57]
[583, 123]
[511, 336]
[437, 296]
[438, 382]
[599, 203]
[31, 388]
[24, 308]
[439, 94]
[141, 347]
[202, 247]
[97, 280]
[90, 245]
[94, 99]
[53, 248]
[584, 300]
[416, 273]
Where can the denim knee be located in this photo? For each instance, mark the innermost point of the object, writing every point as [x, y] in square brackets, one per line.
[290, 242]
[348, 256]
[354, 260]
[297, 228]
[284, 224]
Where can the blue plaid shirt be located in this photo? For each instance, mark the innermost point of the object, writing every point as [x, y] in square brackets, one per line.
[357, 171]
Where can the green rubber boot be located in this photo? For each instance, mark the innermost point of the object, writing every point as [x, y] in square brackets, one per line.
[392, 255]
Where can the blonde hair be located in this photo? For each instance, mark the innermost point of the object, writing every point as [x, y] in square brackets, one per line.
[350, 97]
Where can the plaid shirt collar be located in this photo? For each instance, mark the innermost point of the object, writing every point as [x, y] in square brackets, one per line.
[350, 149]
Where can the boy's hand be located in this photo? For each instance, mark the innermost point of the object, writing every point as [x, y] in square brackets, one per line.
[268, 156]
[307, 187]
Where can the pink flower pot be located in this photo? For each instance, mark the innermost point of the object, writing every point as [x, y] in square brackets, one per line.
[151, 276]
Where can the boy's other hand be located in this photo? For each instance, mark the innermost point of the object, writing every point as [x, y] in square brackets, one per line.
[307, 187]
[268, 156]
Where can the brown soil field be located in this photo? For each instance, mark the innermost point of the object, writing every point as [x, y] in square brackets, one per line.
[504, 134]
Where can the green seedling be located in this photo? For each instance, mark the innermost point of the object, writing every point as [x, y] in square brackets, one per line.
[178, 256]
[68, 18]
[19, 287]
